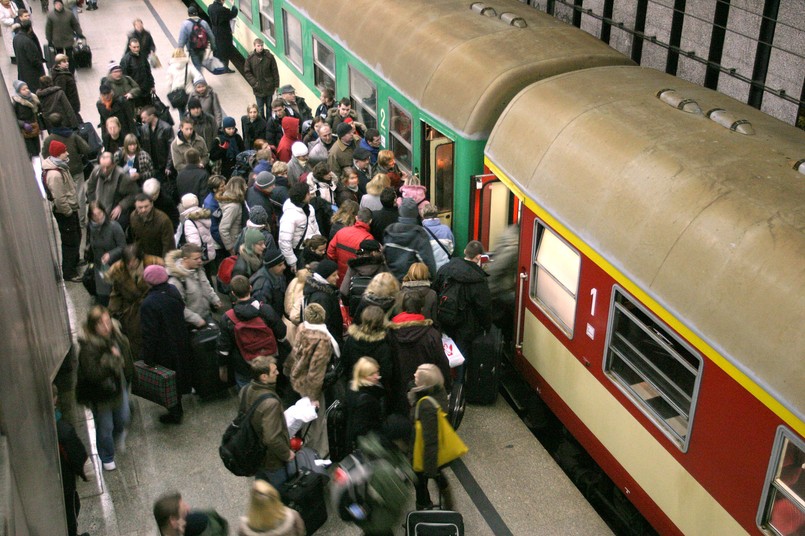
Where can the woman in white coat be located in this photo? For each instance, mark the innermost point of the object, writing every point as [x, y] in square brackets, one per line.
[181, 72]
[8, 11]
[298, 222]
[195, 224]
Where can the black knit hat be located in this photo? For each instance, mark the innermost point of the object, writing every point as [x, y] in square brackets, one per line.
[272, 257]
[326, 268]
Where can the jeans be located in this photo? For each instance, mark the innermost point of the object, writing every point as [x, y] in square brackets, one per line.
[277, 478]
[263, 105]
[109, 424]
[196, 56]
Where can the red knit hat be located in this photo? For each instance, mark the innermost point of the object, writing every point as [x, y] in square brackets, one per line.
[57, 148]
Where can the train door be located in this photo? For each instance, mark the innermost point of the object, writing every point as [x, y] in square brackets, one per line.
[439, 175]
[494, 209]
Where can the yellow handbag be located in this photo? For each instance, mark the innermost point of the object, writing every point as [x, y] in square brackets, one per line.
[451, 446]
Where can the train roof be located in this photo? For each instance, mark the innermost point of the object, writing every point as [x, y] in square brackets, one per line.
[708, 222]
[457, 65]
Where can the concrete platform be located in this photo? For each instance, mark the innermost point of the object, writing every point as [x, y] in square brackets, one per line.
[506, 484]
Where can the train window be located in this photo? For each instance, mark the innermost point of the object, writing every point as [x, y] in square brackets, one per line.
[652, 366]
[267, 20]
[363, 94]
[400, 130]
[782, 508]
[293, 39]
[555, 277]
[323, 65]
[245, 8]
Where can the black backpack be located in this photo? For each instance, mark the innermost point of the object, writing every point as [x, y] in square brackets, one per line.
[357, 286]
[242, 450]
[450, 306]
[199, 40]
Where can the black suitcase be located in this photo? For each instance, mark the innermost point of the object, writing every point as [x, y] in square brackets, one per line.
[482, 376]
[82, 54]
[434, 523]
[205, 378]
[304, 492]
[90, 135]
[336, 416]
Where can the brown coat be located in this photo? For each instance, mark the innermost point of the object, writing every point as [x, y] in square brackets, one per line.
[312, 355]
[268, 421]
[154, 234]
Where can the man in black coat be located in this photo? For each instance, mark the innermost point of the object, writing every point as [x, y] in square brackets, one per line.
[260, 71]
[165, 339]
[135, 65]
[29, 56]
[385, 216]
[219, 21]
[155, 138]
[476, 300]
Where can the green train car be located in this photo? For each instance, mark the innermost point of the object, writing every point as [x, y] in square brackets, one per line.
[432, 76]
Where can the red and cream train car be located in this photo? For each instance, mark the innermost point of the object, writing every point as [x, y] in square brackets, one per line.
[661, 296]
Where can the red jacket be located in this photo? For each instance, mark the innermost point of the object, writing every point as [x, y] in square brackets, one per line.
[290, 134]
[345, 245]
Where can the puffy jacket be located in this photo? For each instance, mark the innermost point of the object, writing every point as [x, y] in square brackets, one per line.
[294, 226]
[405, 244]
[231, 222]
[414, 342]
[193, 285]
[260, 71]
[423, 290]
[345, 245]
[196, 224]
[180, 73]
[53, 99]
[290, 134]
[61, 186]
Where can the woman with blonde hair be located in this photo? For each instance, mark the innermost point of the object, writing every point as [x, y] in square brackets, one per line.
[382, 291]
[343, 217]
[417, 281]
[387, 163]
[111, 135]
[134, 161]
[374, 188]
[180, 73]
[268, 516]
[252, 126]
[365, 401]
[427, 397]
[231, 202]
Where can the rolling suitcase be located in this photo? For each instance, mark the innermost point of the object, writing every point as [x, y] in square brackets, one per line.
[337, 431]
[482, 376]
[205, 378]
[82, 53]
[156, 384]
[434, 523]
[304, 492]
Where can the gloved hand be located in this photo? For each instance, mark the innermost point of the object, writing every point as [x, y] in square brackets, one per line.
[27, 127]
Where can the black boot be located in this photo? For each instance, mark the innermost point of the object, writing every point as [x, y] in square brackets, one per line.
[173, 416]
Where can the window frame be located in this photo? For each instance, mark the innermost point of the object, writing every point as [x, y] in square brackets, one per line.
[247, 14]
[287, 42]
[270, 17]
[569, 331]
[764, 509]
[317, 42]
[357, 105]
[394, 136]
[681, 443]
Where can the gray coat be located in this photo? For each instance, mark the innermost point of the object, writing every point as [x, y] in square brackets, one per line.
[193, 285]
[107, 237]
[60, 27]
[112, 190]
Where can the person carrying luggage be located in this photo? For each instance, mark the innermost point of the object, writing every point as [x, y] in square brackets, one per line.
[248, 330]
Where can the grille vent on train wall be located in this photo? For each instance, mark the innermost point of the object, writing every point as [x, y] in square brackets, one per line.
[488, 11]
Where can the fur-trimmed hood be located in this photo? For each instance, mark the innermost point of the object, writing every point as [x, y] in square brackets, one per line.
[286, 527]
[173, 264]
[196, 213]
[33, 104]
[416, 284]
[361, 333]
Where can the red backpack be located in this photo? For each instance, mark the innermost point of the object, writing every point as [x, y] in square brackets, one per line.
[253, 336]
[225, 269]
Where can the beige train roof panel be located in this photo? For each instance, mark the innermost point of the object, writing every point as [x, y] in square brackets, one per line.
[709, 222]
[457, 65]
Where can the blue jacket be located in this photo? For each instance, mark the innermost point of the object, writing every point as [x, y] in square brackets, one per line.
[372, 150]
[187, 27]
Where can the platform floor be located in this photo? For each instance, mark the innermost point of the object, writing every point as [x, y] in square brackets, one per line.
[506, 484]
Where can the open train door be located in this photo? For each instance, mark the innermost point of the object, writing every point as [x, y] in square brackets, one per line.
[494, 209]
[440, 173]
